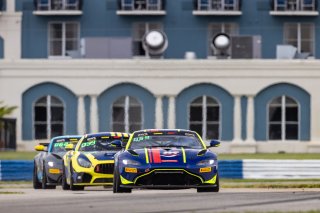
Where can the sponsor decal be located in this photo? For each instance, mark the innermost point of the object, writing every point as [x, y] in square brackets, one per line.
[130, 170]
[54, 171]
[171, 153]
[206, 169]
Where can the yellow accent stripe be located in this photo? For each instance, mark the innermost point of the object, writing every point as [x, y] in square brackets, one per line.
[124, 181]
[147, 157]
[184, 155]
[212, 181]
[112, 134]
[119, 134]
[126, 135]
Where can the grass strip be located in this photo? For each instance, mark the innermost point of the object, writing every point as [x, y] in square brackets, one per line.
[8, 193]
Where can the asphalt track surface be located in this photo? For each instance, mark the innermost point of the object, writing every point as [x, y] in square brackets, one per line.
[98, 199]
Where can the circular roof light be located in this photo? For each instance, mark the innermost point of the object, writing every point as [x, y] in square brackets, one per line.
[154, 39]
[221, 41]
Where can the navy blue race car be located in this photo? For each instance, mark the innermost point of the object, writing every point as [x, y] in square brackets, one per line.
[48, 163]
[166, 159]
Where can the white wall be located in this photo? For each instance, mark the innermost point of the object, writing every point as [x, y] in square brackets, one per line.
[168, 77]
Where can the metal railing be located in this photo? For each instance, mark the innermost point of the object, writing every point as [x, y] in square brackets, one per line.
[218, 5]
[55, 5]
[149, 5]
[294, 5]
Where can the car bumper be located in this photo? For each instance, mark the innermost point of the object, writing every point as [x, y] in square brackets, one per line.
[169, 177]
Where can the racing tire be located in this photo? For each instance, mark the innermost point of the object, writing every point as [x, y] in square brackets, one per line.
[44, 182]
[36, 183]
[72, 186]
[210, 189]
[116, 183]
[64, 184]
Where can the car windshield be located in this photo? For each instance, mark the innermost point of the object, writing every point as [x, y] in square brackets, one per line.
[146, 140]
[59, 145]
[99, 143]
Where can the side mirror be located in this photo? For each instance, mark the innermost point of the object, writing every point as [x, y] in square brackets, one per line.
[39, 148]
[214, 143]
[69, 147]
[116, 143]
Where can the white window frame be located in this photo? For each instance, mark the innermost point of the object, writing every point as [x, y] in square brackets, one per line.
[63, 39]
[299, 39]
[126, 113]
[204, 121]
[283, 119]
[48, 121]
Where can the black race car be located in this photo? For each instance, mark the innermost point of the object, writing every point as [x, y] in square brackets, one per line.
[48, 163]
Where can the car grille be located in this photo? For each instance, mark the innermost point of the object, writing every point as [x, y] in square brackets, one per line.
[103, 180]
[106, 168]
[169, 177]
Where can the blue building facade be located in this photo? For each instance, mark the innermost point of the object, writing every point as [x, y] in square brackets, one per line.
[187, 29]
[78, 84]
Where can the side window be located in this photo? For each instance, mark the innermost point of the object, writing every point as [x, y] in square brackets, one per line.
[204, 117]
[283, 119]
[301, 36]
[64, 39]
[126, 114]
[48, 117]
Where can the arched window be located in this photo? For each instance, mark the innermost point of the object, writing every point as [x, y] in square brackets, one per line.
[204, 117]
[48, 117]
[283, 119]
[126, 114]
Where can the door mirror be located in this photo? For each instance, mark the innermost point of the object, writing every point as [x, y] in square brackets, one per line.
[39, 148]
[69, 147]
[214, 143]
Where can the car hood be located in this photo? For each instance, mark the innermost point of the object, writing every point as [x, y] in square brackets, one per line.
[171, 155]
[103, 155]
[58, 155]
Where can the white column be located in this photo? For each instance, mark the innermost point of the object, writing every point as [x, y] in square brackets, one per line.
[159, 113]
[94, 114]
[10, 6]
[10, 31]
[81, 115]
[237, 119]
[250, 119]
[172, 113]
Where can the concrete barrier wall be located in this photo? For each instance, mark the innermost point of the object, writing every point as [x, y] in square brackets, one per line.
[11, 170]
[281, 169]
[16, 170]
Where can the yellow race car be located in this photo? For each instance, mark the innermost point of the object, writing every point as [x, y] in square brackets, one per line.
[91, 161]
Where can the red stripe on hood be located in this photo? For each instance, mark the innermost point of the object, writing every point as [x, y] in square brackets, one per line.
[150, 155]
[156, 155]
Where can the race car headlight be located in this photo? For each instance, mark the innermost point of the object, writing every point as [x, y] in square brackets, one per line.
[84, 161]
[50, 163]
[206, 162]
[130, 162]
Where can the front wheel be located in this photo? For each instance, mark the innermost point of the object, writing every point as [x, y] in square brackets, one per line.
[210, 189]
[117, 182]
[72, 186]
[64, 184]
[45, 180]
[35, 180]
